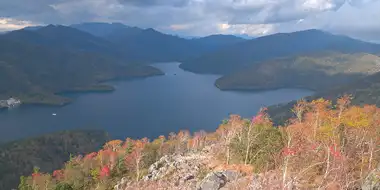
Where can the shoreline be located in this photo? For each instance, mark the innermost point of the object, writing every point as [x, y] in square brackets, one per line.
[243, 89]
[62, 100]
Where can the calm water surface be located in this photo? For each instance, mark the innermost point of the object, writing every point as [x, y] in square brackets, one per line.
[144, 107]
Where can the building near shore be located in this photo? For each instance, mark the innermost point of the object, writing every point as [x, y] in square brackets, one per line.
[11, 102]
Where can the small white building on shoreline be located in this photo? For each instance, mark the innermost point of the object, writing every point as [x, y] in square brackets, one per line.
[10, 103]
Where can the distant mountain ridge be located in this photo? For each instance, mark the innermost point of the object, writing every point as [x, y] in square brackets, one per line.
[159, 46]
[131, 43]
[239, 56]
[218, 40]
[62, 37]
[37, 62]
[99, 29]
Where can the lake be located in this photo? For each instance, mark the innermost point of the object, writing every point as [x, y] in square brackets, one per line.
[144, 107]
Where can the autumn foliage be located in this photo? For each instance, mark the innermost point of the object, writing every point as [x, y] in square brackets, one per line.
[324, 145]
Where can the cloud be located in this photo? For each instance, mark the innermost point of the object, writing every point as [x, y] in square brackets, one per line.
[252, 29]
[147, 3]
[180, 26]
[352, 19]
[203, 17]
[7, 24]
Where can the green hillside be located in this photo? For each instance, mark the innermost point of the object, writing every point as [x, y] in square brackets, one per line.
[36, 73]
[317, 71]
[48, 152]
[365, 91]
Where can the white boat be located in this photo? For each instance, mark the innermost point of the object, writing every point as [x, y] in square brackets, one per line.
[54, 114]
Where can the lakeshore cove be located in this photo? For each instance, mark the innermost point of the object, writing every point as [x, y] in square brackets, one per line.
[148, 107]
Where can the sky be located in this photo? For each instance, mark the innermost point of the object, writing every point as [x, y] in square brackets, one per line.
[355, 18]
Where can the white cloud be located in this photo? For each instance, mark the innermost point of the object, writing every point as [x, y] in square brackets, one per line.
[7, 24]
[250, 29]
[320, 5]
[203, 17]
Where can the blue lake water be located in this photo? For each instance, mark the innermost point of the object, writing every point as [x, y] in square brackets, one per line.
[144, 107]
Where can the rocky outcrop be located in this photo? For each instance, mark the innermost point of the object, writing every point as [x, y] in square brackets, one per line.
[185, 167]
[372, 181]
[269, 180]
[122, 184]
[191, 171]
[217, 180]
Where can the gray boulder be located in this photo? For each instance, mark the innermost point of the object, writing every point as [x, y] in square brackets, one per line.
[217, 180]
[122, 184]
[180, 170]
[372, 181]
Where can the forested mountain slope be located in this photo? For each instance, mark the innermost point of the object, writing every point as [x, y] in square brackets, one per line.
[365, 91]
[245, 54]
[316, 71]
[35, 73]
[150, 45]
[48, 152]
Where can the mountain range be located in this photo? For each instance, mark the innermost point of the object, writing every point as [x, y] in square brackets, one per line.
[35, 73]
[242, 55]
[39, 62]
[332, 65]
[146, 45]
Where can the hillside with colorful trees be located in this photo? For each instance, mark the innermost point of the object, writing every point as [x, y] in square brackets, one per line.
[323, 146]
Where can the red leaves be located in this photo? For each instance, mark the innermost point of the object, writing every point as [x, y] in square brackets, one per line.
[261, 117]
[91, 155]
[257, 119]
[289, 151]
[137, 151]
[35, 175]
[314, 147]
[105, 172]
[335, 151]
[58, 174]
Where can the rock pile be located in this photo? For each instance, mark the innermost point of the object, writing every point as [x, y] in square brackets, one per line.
[122, 184]
[185, 168]
[372, 181]
[217, 180]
